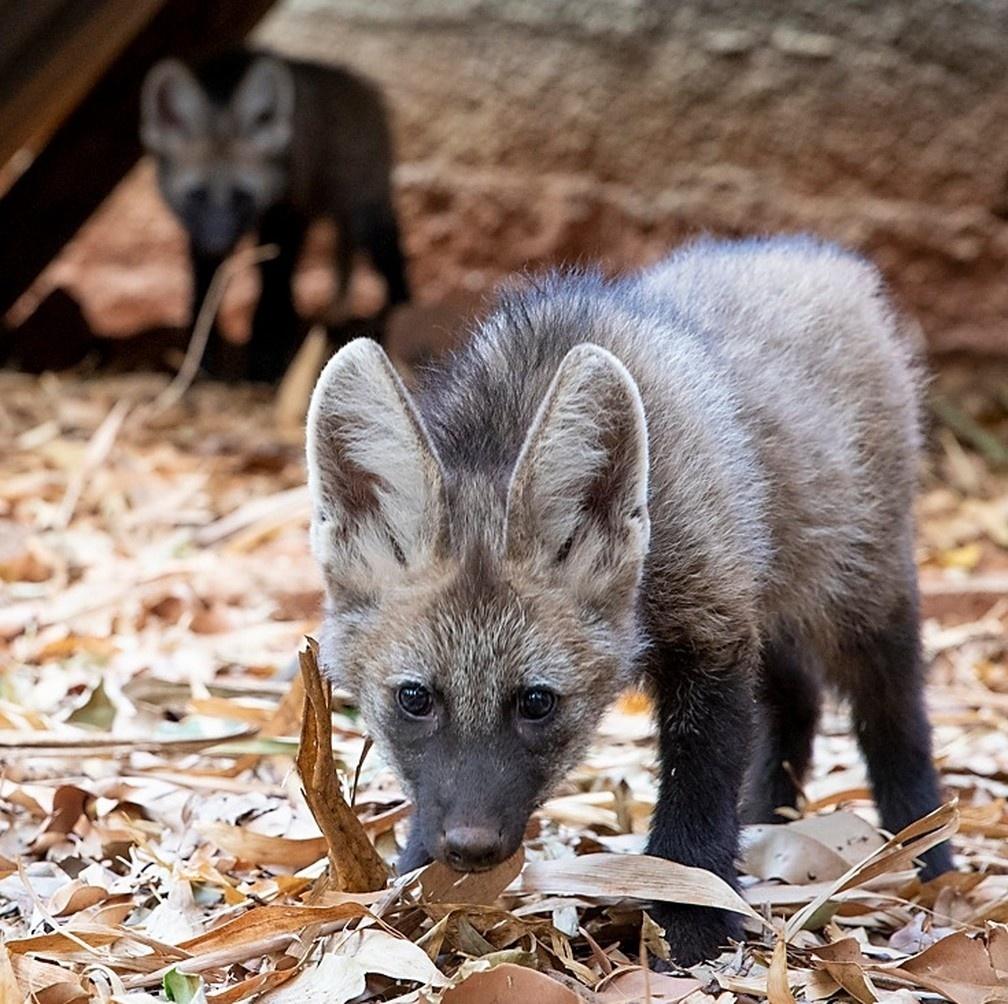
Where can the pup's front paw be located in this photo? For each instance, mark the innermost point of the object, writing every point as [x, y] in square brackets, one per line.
[696, 933]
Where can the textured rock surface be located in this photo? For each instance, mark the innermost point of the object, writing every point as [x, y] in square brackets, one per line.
[537, 131]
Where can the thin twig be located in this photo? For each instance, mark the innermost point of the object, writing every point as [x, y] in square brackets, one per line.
[226, 271]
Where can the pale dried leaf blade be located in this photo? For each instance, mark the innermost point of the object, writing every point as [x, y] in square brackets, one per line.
[356, 865]
[898, 853]
[637, 985]
[637, 876]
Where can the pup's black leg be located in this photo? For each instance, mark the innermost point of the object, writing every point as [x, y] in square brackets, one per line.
[277, 331]
[704, 721]
[788, 711]
[378, 234]
[884, 678]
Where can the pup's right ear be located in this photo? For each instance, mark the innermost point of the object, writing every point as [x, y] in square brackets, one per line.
[376, 483]
[173, 107]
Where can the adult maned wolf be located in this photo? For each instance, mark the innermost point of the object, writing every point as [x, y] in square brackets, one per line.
[701, 475]
[249, 141]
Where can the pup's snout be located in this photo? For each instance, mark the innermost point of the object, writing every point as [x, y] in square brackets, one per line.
[472, 848]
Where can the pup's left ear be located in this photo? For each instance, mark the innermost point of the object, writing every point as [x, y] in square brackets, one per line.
[376, 483]
[578, 495]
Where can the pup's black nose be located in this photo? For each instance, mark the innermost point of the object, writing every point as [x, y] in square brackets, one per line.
[472, 848]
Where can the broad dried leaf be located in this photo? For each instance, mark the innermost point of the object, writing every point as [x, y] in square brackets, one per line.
[642, 985]
[638, 876]
[967, 970]
[260, 849]
[508, 983]
[9, 989]
[846, 965]
[897, 853]
[442, 884]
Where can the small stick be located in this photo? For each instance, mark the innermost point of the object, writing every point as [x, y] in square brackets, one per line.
[226, 271]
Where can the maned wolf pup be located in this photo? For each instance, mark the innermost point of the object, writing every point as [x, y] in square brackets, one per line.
[702, 475]
[252, 142]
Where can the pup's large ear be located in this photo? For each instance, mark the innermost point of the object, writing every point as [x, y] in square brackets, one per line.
[376, 484]
[263, 106]
[174, 109]
[577, 501]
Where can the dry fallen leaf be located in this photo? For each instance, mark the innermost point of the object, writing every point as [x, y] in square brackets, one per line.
[508, 984]
[641, 985]
[631, 875]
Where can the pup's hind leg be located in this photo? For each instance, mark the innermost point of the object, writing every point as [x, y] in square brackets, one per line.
[788, 700]
[882, 672]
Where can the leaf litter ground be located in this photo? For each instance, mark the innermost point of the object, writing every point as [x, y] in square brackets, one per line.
[156, 842]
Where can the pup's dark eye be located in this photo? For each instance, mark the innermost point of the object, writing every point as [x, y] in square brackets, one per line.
[415, 699]
[536, 703]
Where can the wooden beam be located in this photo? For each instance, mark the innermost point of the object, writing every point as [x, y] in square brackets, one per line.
[59, 59]
[98, 142]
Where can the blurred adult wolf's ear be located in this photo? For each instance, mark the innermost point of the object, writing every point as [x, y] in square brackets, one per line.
[174, 109]
[263, 106]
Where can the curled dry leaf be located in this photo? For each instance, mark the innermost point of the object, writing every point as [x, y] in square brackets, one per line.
[356, 865]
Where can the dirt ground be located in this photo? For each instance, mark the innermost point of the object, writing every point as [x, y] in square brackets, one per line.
[155, 584]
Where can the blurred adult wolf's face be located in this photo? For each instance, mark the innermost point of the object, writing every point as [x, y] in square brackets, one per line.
[220, 164]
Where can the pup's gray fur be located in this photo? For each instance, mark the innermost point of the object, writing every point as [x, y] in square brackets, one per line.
[701, 474]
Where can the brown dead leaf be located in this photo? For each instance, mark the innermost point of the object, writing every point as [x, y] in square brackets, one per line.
[442, 884]
[44, 983]
[847, 966]
[507, 984]
[966, 970]
[9, 989]
[898, 853]
[356, 865]
[259, 849]
[629, 987]
[74, 897]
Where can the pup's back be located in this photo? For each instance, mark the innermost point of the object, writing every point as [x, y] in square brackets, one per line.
[780, 401]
